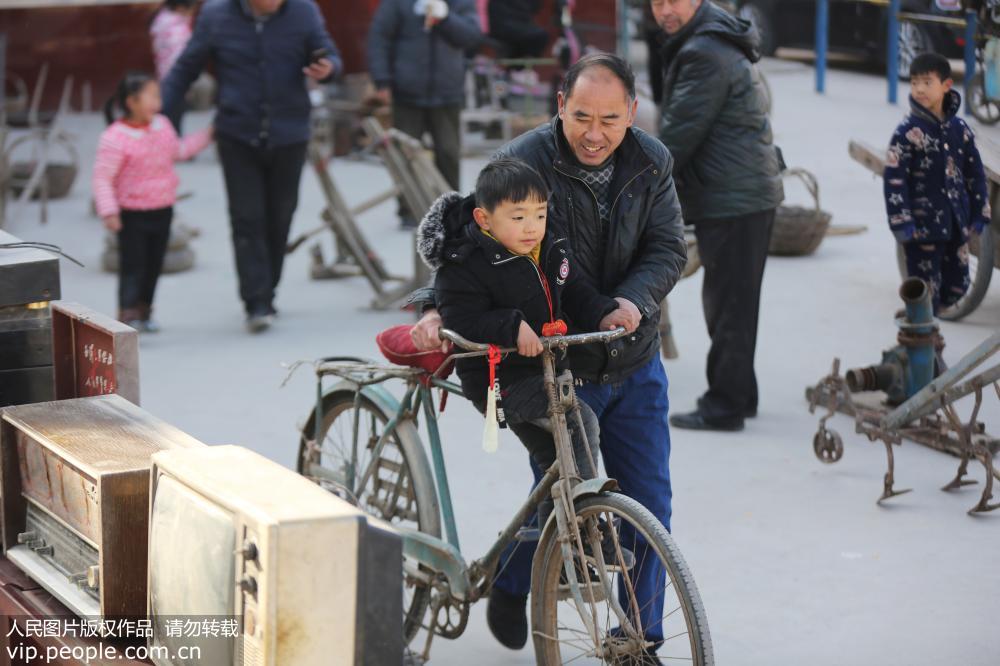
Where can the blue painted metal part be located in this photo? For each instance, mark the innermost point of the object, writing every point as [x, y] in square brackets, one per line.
[439, 556]
[822, 37]
[440, 472]
[908, 367]
[916, 296]
[970, 58]
[892, 50]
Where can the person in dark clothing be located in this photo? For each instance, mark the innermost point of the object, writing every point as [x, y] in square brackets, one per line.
[612, 187]
[505, 277]
[936, 195]
[416, 56]
[513, 24]
[263, 51]
[714, 121]
[653, 35]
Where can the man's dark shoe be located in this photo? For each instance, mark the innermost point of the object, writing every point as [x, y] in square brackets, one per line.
[507, 618]
[697, 421]
[749, 412]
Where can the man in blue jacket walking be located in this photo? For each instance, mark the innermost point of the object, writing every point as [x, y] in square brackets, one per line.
[263, 51]
[416, 55]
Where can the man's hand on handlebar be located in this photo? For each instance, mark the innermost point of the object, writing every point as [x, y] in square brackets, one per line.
[425, 334]
[627, 316]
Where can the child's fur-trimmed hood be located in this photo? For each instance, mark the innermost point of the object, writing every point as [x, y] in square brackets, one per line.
[443, 222]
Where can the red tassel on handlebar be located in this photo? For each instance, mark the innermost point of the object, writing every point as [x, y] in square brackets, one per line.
[557, 327]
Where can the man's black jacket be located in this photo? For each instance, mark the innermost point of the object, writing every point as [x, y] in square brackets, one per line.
[640, 256]
[484, 291]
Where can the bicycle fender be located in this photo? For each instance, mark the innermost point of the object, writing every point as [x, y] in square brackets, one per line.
[439, 556]
[593, 487]
[376, 393]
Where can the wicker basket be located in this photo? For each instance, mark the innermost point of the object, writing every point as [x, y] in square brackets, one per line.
[798, 230]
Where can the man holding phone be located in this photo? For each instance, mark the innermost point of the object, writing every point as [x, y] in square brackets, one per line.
[416, 55]
[263, 51]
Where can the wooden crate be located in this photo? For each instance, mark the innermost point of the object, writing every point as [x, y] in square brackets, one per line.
[93, 354]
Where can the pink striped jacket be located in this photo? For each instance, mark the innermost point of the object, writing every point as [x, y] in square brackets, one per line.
[134, 168]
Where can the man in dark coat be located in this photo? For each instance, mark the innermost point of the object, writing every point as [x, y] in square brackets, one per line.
[416, 56]
[512, 22]
[263, 51]
[714, 121]
[611, 185]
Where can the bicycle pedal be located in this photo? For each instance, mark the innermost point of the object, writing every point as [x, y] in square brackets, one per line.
[564, 593]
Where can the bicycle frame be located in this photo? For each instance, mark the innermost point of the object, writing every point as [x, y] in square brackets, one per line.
[467, 584]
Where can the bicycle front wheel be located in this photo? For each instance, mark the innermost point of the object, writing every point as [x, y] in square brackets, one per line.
[654, 607]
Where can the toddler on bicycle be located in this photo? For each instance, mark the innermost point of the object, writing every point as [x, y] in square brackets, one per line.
[505, 275]
[935, 188]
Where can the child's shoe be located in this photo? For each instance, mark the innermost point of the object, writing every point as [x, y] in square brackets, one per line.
[132, 317]
[148, 324]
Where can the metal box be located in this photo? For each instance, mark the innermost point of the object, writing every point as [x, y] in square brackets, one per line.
[74, 482]
[27, 275]
[29, 279]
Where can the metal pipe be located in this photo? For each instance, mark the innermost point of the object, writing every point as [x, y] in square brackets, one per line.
[822, 35]
[917, 298]
[970, 58]
[917, 334]
[892, 50]
[872, 378]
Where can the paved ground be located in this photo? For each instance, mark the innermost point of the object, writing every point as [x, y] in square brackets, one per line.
[795, 562]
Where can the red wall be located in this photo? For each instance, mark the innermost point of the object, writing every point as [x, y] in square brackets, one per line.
[98, 43]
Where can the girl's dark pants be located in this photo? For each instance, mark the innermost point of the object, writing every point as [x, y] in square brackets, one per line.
[142, 245]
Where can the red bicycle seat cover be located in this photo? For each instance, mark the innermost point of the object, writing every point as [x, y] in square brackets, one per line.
[397, 346]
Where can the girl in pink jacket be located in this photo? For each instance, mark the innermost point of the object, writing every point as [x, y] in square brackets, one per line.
[135, 188]
[170, 32]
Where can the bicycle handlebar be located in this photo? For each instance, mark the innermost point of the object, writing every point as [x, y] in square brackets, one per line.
[555, 341]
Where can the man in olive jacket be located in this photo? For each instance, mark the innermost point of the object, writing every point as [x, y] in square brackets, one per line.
[714, 121]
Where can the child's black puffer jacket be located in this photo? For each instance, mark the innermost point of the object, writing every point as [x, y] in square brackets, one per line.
[484, 291]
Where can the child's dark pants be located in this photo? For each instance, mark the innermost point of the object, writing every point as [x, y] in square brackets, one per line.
[142, 245]
[944, 266]
[524, 406]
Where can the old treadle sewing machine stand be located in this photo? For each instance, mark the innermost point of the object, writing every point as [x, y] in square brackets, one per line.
[916, 405]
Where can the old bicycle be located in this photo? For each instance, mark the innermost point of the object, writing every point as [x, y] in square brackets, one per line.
[365, 445]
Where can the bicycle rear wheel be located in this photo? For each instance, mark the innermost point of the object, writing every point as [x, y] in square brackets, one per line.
[400, 489]
[668, 620]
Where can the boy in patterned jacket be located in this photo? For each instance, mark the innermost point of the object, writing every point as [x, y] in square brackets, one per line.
[935, 187]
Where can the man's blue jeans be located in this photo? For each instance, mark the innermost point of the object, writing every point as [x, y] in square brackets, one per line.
[635, 447]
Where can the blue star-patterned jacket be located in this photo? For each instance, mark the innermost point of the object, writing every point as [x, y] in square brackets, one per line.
[934, 179]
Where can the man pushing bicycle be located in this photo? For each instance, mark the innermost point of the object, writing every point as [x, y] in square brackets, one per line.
[611, 187]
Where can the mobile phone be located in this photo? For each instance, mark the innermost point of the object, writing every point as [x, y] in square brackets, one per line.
[317, 55]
